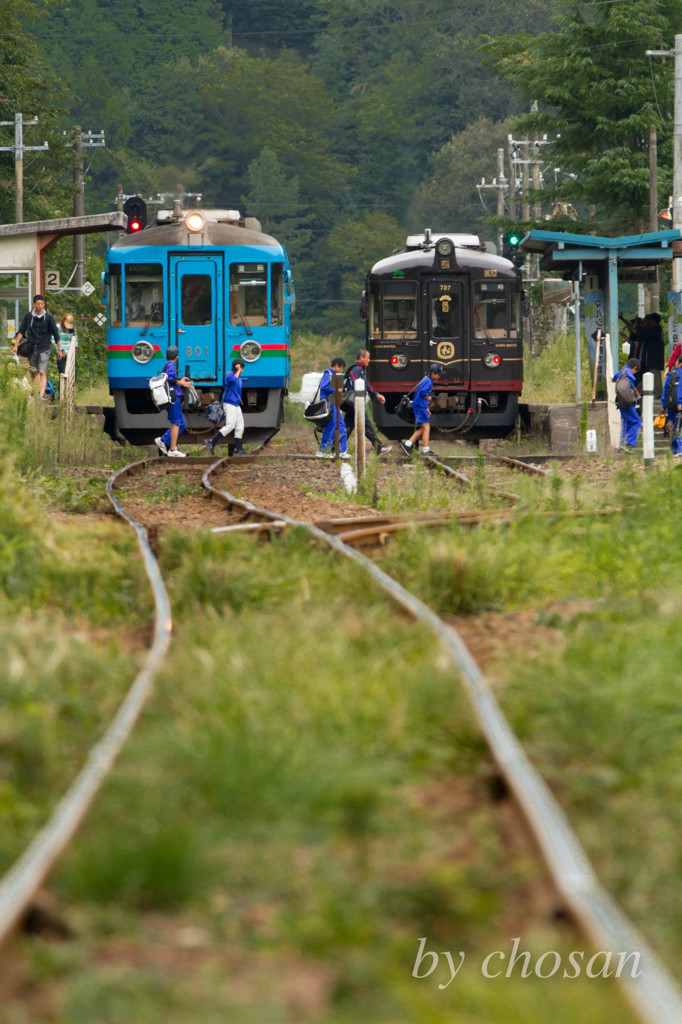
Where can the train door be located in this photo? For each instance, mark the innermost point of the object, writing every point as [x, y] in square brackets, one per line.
[197, 315]
[444, 322]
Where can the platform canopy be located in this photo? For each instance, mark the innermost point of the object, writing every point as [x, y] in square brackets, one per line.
[626, 259]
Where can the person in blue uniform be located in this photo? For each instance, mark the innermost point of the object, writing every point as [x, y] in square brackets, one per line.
[673, 407]
[234, 418]
[420, 407]
[327, 390]
[631, 421]
[168, 442]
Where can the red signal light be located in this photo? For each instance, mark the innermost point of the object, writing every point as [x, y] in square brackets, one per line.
[134, 225]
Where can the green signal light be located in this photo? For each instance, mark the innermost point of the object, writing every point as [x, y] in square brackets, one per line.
[514, 239]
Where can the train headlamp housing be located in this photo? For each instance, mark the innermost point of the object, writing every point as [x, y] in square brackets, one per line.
[195, 221]
[143, 351]
[399, 361]
[444, 247]
[250, 351]
[492, 360]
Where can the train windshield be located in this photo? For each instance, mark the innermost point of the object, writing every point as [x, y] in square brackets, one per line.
[491, 317]
[143, 294]
[249, 294]
[393, 311]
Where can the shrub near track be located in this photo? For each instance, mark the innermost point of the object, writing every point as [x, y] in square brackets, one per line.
[303, 799]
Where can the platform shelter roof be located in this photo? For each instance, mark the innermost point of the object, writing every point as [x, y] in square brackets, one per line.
[565, 251]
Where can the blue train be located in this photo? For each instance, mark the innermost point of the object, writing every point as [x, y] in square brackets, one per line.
[212, 283]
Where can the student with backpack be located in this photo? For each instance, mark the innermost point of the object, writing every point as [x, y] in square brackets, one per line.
[626, 398]
[39, 327]
[671, 399]
[234, 417]
[168, 442]
[420, 405]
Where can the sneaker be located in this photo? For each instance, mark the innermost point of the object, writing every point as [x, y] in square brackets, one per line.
[322, 454]
[175, 453]
[345, 456]
[407, 448]
[241, 452]
[384, 450]
[427, 451]
[210, 444]
[161, 445]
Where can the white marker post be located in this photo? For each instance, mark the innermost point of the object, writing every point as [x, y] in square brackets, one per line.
[648, 420]
[359, 389]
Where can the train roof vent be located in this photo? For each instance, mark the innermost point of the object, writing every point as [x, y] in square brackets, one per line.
[430, 238]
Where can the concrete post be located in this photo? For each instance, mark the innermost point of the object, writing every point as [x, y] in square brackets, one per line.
[648, 419]
[359, 388]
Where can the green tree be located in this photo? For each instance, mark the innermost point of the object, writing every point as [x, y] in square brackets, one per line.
[447, 199]
[598, 96]
[354, 245]
[29, 86]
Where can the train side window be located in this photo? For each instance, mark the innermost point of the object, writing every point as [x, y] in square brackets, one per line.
[277, 294]
[490, 309]
[143, 294]
[399, 308]
[115, 296]
[197, 300]
[515, 331]
[249, 294]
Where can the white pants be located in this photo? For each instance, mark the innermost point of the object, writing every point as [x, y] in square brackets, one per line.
[234, 420]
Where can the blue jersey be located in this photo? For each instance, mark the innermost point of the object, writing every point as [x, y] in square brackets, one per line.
[232, 392]
[326, 388]
[171, 371]
[421, 394]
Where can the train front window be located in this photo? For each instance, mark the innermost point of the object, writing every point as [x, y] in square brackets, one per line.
[197, 300]
[249, 294]
[277, 299]
[490, 309]
[399, 308]
[445, 314]
[115, 296]
[143, 294]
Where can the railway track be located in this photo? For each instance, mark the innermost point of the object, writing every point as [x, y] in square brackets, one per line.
[653, 994]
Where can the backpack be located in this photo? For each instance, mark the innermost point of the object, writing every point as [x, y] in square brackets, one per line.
[671, 392]
[625, 395]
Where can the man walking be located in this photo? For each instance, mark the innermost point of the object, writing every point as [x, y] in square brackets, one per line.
[358, 371]
[39, 327]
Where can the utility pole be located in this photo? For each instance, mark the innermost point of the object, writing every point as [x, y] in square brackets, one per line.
[511, 151]
[677, 152]
[653, 207]
[19, 149]
[81, 140]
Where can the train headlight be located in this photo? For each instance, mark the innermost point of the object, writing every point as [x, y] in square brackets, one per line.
[492, 360]
[444, 247]
[250, 351]
[143, 351]
[195, 221]
[399, 360]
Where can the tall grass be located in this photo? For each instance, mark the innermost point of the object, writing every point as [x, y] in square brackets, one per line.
[550, 377]
[294, 797]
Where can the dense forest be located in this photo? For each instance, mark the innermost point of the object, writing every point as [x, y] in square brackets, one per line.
[340, 124]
